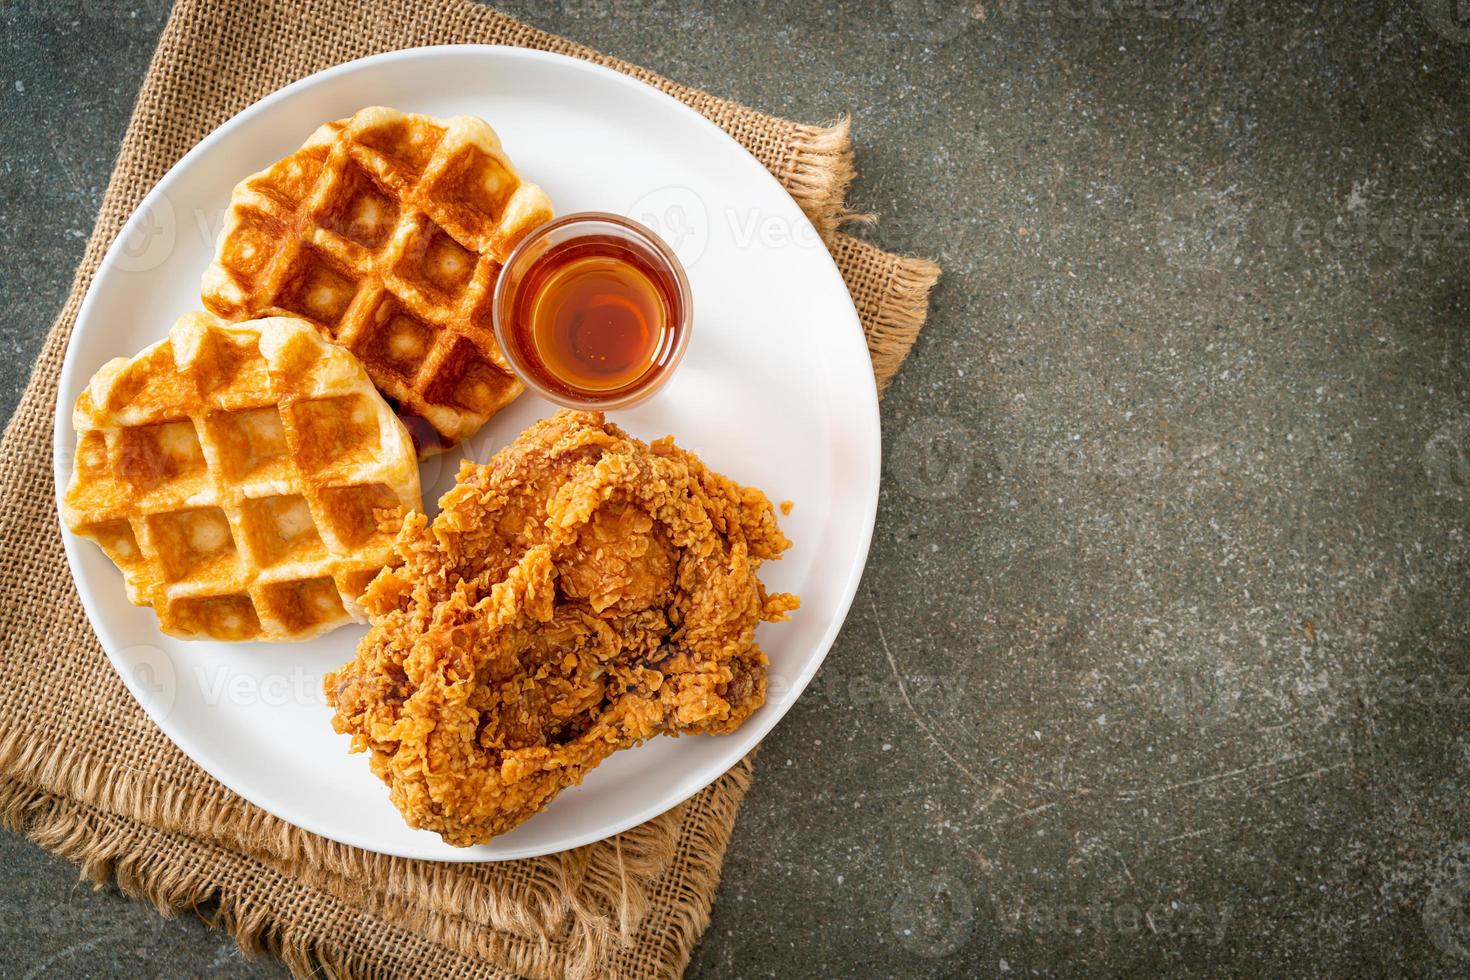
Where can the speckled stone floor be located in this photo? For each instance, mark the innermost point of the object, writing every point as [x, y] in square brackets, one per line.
[1162, 658]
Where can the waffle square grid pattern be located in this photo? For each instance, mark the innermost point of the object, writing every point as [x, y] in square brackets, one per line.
[245, 479]
[388, 231]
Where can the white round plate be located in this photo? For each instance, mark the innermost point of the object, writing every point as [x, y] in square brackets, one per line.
[776, 391]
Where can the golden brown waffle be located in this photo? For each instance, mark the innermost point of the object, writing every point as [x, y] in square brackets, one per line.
[388, 232]
[238, 475]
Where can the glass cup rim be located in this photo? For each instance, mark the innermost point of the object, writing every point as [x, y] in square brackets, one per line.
[626, 226]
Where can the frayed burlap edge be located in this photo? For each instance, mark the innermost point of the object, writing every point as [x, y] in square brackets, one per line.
[592, 899]
[891, 295]
[110, 847]
[820, 169]
[141, 862]
[893, 331]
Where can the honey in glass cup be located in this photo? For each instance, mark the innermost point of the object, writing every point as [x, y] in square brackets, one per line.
[593, 310]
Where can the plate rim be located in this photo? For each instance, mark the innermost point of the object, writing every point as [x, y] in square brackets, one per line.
[744, 739]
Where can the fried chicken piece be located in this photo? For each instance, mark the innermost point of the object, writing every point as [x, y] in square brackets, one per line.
[578, 594]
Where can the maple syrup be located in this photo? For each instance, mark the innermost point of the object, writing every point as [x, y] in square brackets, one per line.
[592, 310]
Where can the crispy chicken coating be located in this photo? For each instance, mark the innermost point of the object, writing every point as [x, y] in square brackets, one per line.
[578, 594]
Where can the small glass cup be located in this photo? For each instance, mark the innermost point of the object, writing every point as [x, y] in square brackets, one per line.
[595, 227]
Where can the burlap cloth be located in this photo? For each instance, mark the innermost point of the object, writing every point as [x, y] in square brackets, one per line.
[84, 772]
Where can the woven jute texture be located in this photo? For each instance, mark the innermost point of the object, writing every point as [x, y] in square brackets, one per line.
[84, 772]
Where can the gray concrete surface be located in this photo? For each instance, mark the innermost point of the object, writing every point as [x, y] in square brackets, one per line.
[1161, 658]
